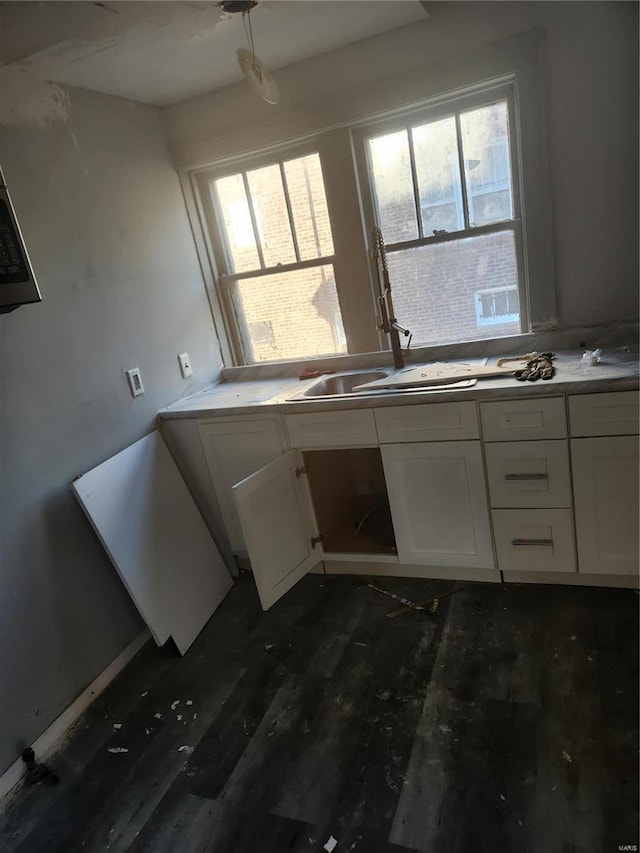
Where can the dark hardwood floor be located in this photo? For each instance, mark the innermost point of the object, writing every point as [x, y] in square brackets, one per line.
[505, 722]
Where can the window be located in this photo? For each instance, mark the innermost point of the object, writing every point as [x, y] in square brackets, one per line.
[289, 230]
[276, 254]
[494, 307]
[441, 187]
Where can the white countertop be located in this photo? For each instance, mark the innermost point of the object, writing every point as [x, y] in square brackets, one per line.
[618, 371]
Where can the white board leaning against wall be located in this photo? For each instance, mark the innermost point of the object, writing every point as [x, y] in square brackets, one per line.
[144, 515]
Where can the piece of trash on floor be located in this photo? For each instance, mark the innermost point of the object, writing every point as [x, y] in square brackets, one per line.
[146, 692]
[195, 716]
[411, 605]
[158, 716]
[117, 726]
[503, 798]
[573, 637]
[188, 749]
[330, 845]
[117, 749]
[268, 647]
[147, 731]
[364, 645]
[567, 757]
[175, 704]
[189, 702]
[37, 772]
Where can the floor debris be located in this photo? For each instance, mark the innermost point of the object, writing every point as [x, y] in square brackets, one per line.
[330, 845]
[411, 605]
[117, 726]
[567, 757]
[146, 693]
[37, 772]
[189, 702]
[117, 749]
[175, 704]
[158, 716]
[188, 749]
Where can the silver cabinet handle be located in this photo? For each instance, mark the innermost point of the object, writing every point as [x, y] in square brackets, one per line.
[526, 476]
[523, 542]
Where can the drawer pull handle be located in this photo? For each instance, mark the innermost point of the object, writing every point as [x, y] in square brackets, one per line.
[526, 476]
[524, 542]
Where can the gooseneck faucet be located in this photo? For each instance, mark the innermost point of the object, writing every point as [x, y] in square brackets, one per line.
[388, 323]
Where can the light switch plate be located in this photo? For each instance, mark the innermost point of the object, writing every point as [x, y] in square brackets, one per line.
[185, 365]
[135, 382]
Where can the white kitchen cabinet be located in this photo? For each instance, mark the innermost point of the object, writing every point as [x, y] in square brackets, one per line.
[438, 503]
[534, 540]
[605, 487]
[235, 448]
[354, 428]
[614, 413]
[529, 474]
[431, 422]
[276, 513]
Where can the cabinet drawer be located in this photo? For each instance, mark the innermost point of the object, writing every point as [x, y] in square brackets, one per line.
[614, 413]
[529, 474]
[429, 422]
[534, 540]
[332, 429]
[524, 420]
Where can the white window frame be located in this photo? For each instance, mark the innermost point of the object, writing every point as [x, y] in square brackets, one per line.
[236, 325]
[447, 107]
[519, 65]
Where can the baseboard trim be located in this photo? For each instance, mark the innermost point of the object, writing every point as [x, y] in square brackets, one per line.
[403, 570]
[573, 579]
[47, 741]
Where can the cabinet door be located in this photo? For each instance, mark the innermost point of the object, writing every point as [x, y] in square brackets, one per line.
[439, 503]
[605, 494]
[276, 513]
[234, 449]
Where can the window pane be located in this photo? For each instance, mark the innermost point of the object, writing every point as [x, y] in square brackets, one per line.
[290, 315]
[485, 145]
[267, 194]
[456, 291]
[238, 230]
[309, 207]
[438, 172]
[393, 186]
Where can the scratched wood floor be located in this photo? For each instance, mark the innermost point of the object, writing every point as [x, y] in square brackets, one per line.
[506, 722]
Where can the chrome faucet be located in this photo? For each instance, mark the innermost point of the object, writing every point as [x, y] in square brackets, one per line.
[388, 323]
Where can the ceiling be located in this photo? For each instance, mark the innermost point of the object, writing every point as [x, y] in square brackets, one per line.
[160, 53]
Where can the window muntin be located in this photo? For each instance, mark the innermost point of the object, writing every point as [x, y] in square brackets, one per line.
[455, 224]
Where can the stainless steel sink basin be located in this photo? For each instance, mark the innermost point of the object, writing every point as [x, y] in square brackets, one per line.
[339, 384]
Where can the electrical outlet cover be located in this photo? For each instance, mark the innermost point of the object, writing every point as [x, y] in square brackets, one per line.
[135, 382]
[185, 365]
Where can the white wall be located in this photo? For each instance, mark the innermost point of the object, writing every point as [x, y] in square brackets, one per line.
[592, 112]
[102, 212]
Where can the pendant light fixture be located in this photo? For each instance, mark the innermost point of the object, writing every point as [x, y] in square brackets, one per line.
[256, 75]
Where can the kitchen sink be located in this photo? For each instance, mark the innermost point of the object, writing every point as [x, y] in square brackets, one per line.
[339, 384]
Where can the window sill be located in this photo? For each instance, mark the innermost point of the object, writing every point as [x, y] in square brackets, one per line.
[613, 334]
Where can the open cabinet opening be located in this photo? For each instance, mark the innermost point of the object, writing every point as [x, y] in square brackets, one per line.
[350, 500]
